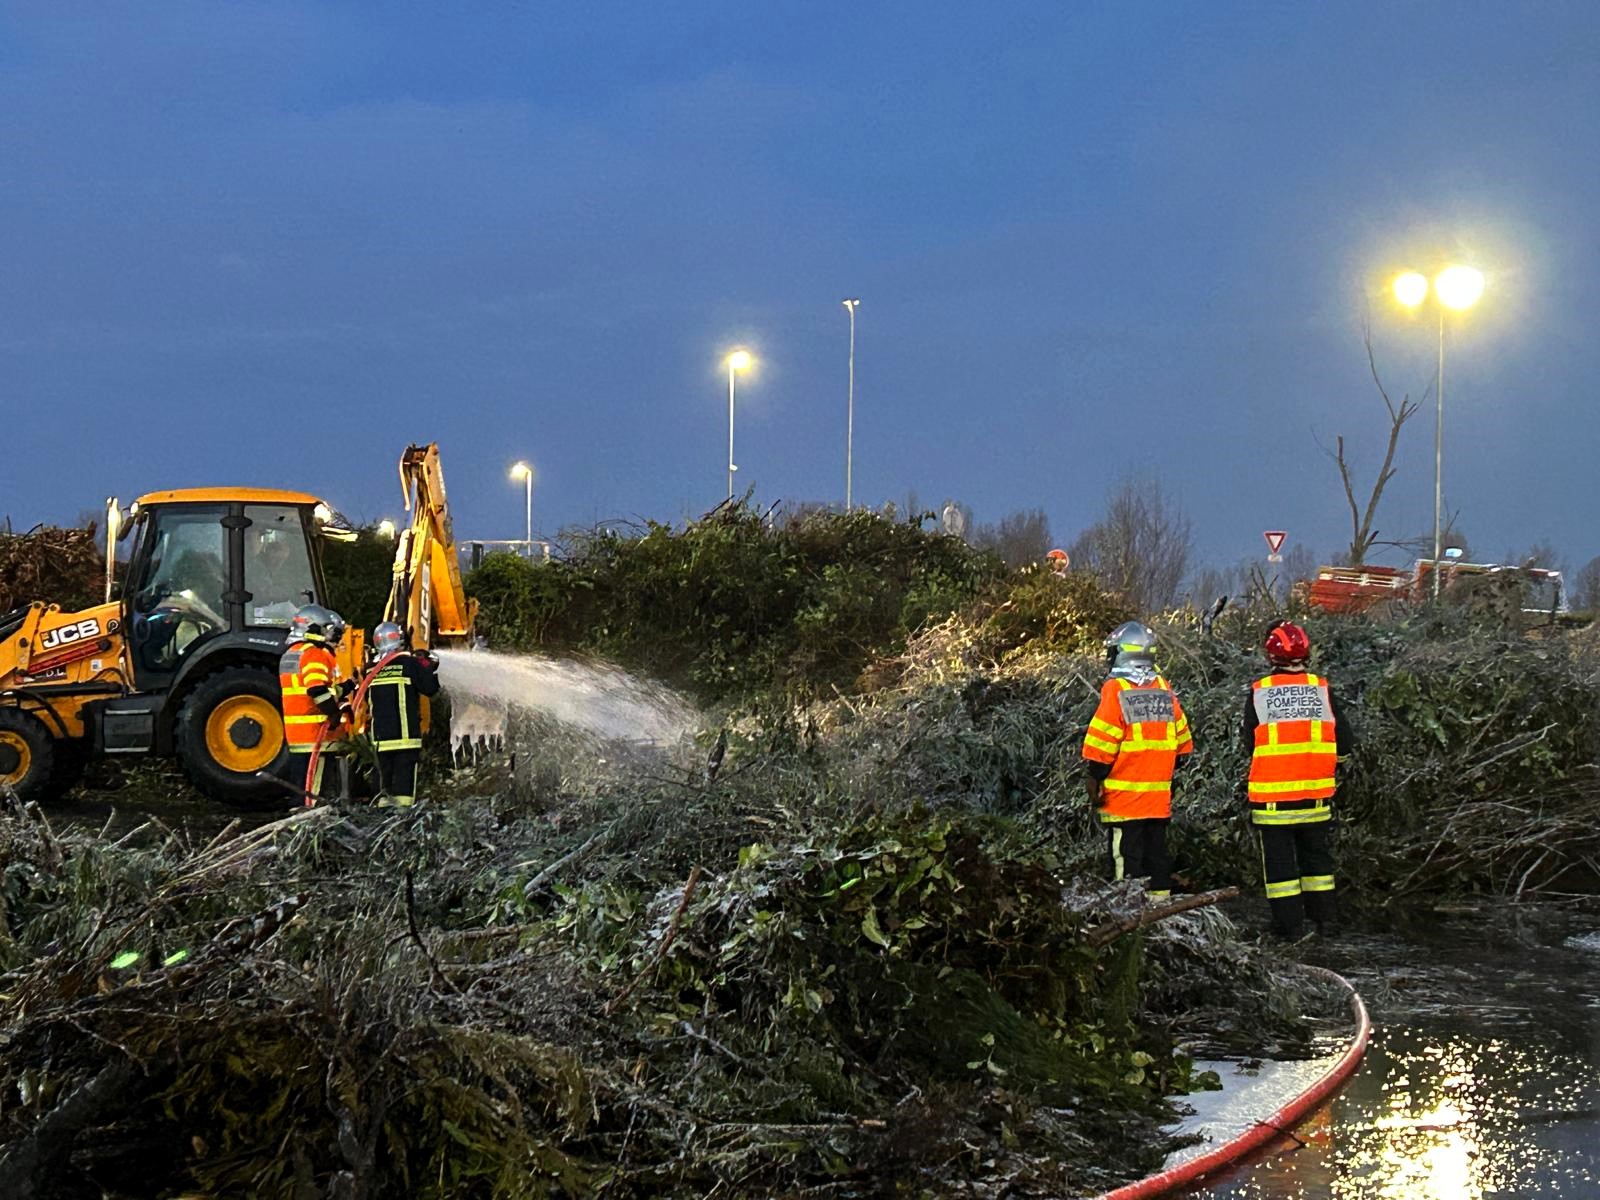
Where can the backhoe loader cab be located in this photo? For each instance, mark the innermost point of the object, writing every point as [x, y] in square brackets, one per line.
[184, 662]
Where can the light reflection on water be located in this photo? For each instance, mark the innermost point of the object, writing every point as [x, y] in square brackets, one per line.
[1482, 1083]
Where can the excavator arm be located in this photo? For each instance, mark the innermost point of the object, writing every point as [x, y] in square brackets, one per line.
[426, 597]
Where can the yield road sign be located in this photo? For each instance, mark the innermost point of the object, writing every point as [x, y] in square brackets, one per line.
[1275, 539]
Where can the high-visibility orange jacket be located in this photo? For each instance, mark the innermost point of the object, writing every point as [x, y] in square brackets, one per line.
[1295, 731]
[1139, 731]
[308, 675]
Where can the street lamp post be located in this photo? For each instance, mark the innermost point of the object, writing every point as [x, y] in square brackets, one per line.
[851, 304]
[1454, 287]
[739, 360]
[524, 472]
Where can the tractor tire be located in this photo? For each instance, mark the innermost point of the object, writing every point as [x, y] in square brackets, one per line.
[72, 761]
[27, 755]
[229, 728]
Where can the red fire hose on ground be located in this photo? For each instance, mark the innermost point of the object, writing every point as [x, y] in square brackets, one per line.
[1192, 1170]
[356, 701]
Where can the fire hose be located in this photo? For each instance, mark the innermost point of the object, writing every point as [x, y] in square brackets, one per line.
[356, 701]
[1262, 1132]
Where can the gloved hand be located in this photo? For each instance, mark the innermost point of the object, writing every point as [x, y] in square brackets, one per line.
[1096, 791]
[427, 661]
[347, 687]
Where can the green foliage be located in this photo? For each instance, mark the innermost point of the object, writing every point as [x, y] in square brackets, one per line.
[899, 958]
[359, 575]
[1045, 614]
[731, 607]
[517, 600]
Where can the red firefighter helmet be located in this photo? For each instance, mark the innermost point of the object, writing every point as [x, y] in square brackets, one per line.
[1287, 643]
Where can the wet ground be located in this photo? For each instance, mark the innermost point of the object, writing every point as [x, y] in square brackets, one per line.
[1483, 1078]
[126, 797]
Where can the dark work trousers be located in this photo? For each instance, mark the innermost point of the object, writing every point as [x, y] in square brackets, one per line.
[1139, 851]
[334, 752]
[397, 775]
[1297, 870]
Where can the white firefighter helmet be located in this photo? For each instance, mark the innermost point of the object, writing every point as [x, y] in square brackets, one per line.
[315, 623]
[1131, 648]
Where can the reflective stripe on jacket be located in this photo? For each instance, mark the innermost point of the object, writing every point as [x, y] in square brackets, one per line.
[1296, 740]
[306, 675]
[1139, 730]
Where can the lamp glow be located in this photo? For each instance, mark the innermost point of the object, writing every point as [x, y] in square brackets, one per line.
[1459, 287]
[1411, 288]
[386, 528]
[740, 360]
[523, 473]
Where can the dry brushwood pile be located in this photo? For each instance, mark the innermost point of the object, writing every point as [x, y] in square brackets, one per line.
[637, 982]
[58, 566]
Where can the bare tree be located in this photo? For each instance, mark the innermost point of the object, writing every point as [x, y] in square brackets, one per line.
[1585, 593]
[1540, 554]
[1362, 534]
[1019, 538]
[1301, 562]
[1140, 547]
[1451, 538]
[1207, 583]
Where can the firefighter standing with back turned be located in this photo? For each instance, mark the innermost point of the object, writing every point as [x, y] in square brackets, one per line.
[1131, 748]
[394, 702]
[1292, 724]
[313, 693]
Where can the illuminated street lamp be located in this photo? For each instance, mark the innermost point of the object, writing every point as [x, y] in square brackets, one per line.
[739, 360]
[524, 472]
[850, 303]
[386, 529]
[1458, 288]
[1411, 288]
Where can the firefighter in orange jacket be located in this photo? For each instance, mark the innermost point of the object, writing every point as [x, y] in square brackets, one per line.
[1131, 749]
[1291, 723]
[313, 694]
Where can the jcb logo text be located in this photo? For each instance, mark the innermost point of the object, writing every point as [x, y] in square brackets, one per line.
[67, 634]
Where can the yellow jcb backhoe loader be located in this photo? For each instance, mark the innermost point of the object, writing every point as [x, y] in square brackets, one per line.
[185, 662]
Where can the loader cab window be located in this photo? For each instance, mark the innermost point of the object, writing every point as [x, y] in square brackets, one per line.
[277, 564]
[181, 575]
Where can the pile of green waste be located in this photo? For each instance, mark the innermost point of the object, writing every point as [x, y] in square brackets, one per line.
[855, 942]
[1476, 738]
[636, 981]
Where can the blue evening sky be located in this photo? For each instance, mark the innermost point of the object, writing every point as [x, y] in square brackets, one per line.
[272, 243]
